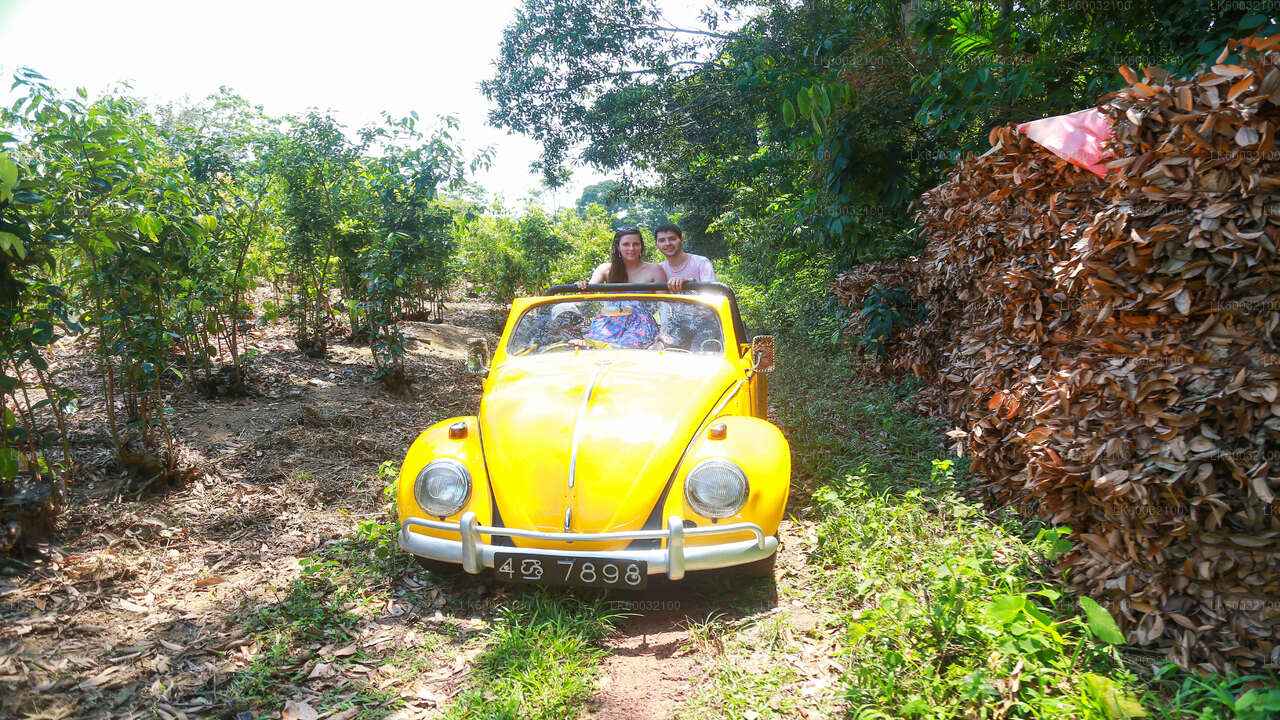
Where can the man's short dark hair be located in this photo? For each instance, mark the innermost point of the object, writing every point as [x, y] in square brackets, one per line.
[668, 227]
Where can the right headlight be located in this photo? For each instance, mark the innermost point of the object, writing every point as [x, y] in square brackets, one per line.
[442, 487]
[716, 488]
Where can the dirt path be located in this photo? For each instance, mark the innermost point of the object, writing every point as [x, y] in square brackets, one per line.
[670, 660]
[661, 658]
[140, 607]
[652, 659]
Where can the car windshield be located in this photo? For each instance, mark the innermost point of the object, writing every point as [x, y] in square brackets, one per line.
[617, 323]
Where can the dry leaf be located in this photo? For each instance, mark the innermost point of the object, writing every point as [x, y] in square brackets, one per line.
[298, 710]
[1263, 490]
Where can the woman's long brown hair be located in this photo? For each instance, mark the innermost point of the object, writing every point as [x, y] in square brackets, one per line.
[618, 268]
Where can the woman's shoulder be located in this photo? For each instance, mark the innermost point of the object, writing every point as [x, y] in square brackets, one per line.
[656, 271]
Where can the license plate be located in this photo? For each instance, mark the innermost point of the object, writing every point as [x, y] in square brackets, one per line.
[581, 571]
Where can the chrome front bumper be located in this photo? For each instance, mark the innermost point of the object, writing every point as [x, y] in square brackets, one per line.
[673, 560]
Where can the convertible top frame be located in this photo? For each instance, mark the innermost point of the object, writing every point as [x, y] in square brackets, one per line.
[689, 287]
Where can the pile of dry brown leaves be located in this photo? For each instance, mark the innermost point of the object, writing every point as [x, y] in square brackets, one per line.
[1109, 349]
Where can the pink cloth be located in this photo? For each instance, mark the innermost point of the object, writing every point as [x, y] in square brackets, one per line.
[1076, 138]
[696, 268]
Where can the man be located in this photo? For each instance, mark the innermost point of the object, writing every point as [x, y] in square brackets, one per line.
[679, 326]
[678, 264]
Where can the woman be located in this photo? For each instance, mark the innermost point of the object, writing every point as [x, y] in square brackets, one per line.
[626, 262]
[625, 324]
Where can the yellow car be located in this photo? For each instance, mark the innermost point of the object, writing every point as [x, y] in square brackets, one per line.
[621, 434]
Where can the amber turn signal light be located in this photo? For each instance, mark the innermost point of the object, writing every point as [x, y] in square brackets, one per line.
[457, 431]
[717, 432]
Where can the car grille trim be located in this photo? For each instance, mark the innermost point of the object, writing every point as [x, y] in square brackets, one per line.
[672, 560]
[589, 537]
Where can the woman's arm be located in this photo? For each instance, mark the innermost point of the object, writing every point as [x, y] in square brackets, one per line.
[601, 274]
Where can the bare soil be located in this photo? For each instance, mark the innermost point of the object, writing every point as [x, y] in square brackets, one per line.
[138, 605]
[664, 656]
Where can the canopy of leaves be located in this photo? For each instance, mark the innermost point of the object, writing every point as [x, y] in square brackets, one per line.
[803, 131]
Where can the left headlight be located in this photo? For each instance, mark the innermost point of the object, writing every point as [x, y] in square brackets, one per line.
[442, 487]
[716, 488]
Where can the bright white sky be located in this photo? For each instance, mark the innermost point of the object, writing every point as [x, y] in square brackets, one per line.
[356, 58]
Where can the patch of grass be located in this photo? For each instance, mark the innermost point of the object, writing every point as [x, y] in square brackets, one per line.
[838, 424]
[1176, 695]
[542, 661]
[322, 607]
[748, 678]
[948, 609]
[949, 619]
[738, 692]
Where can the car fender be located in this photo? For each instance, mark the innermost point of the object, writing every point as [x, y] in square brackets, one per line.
[434, 443]
[759, 448]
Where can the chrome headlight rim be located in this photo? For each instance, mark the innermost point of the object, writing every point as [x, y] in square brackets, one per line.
[716, 512]
[437, 507]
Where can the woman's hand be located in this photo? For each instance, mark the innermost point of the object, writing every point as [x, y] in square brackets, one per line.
[582, 285]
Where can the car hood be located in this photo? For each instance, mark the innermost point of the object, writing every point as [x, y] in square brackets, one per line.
[631, 430]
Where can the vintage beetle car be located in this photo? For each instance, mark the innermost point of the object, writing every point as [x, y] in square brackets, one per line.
[599, 459]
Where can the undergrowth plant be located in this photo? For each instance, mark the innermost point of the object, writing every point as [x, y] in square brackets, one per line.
[542, 662]
[337, 587]
[949, 608]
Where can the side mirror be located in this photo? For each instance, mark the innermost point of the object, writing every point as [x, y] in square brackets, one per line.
[477, 355]
[762, 353]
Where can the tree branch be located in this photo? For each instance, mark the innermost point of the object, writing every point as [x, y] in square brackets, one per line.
[686, 31]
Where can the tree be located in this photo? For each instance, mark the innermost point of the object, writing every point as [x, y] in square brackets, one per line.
[104, 204]
[411, 232]
[320, 169]
[803, 132]
[223, 142]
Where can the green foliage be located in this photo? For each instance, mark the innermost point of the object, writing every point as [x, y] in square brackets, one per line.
[106, 211]
[507, 255]
[790, 299]
[947, 603]
[150, 228]
[884, 312]
[542, 661]
[221, 141]
[404, 237]
[1178, 696]
[627, 206]
[320, 169]
[1044, 58]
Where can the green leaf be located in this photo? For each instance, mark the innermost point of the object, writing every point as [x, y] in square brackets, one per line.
[788, 113]
[803, 103]
[822, 100]
[1251, 21]
[1117, 703]
[8, 463]
[1100, 622]
[1006, 607]
[8, 172]
[12, 244]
